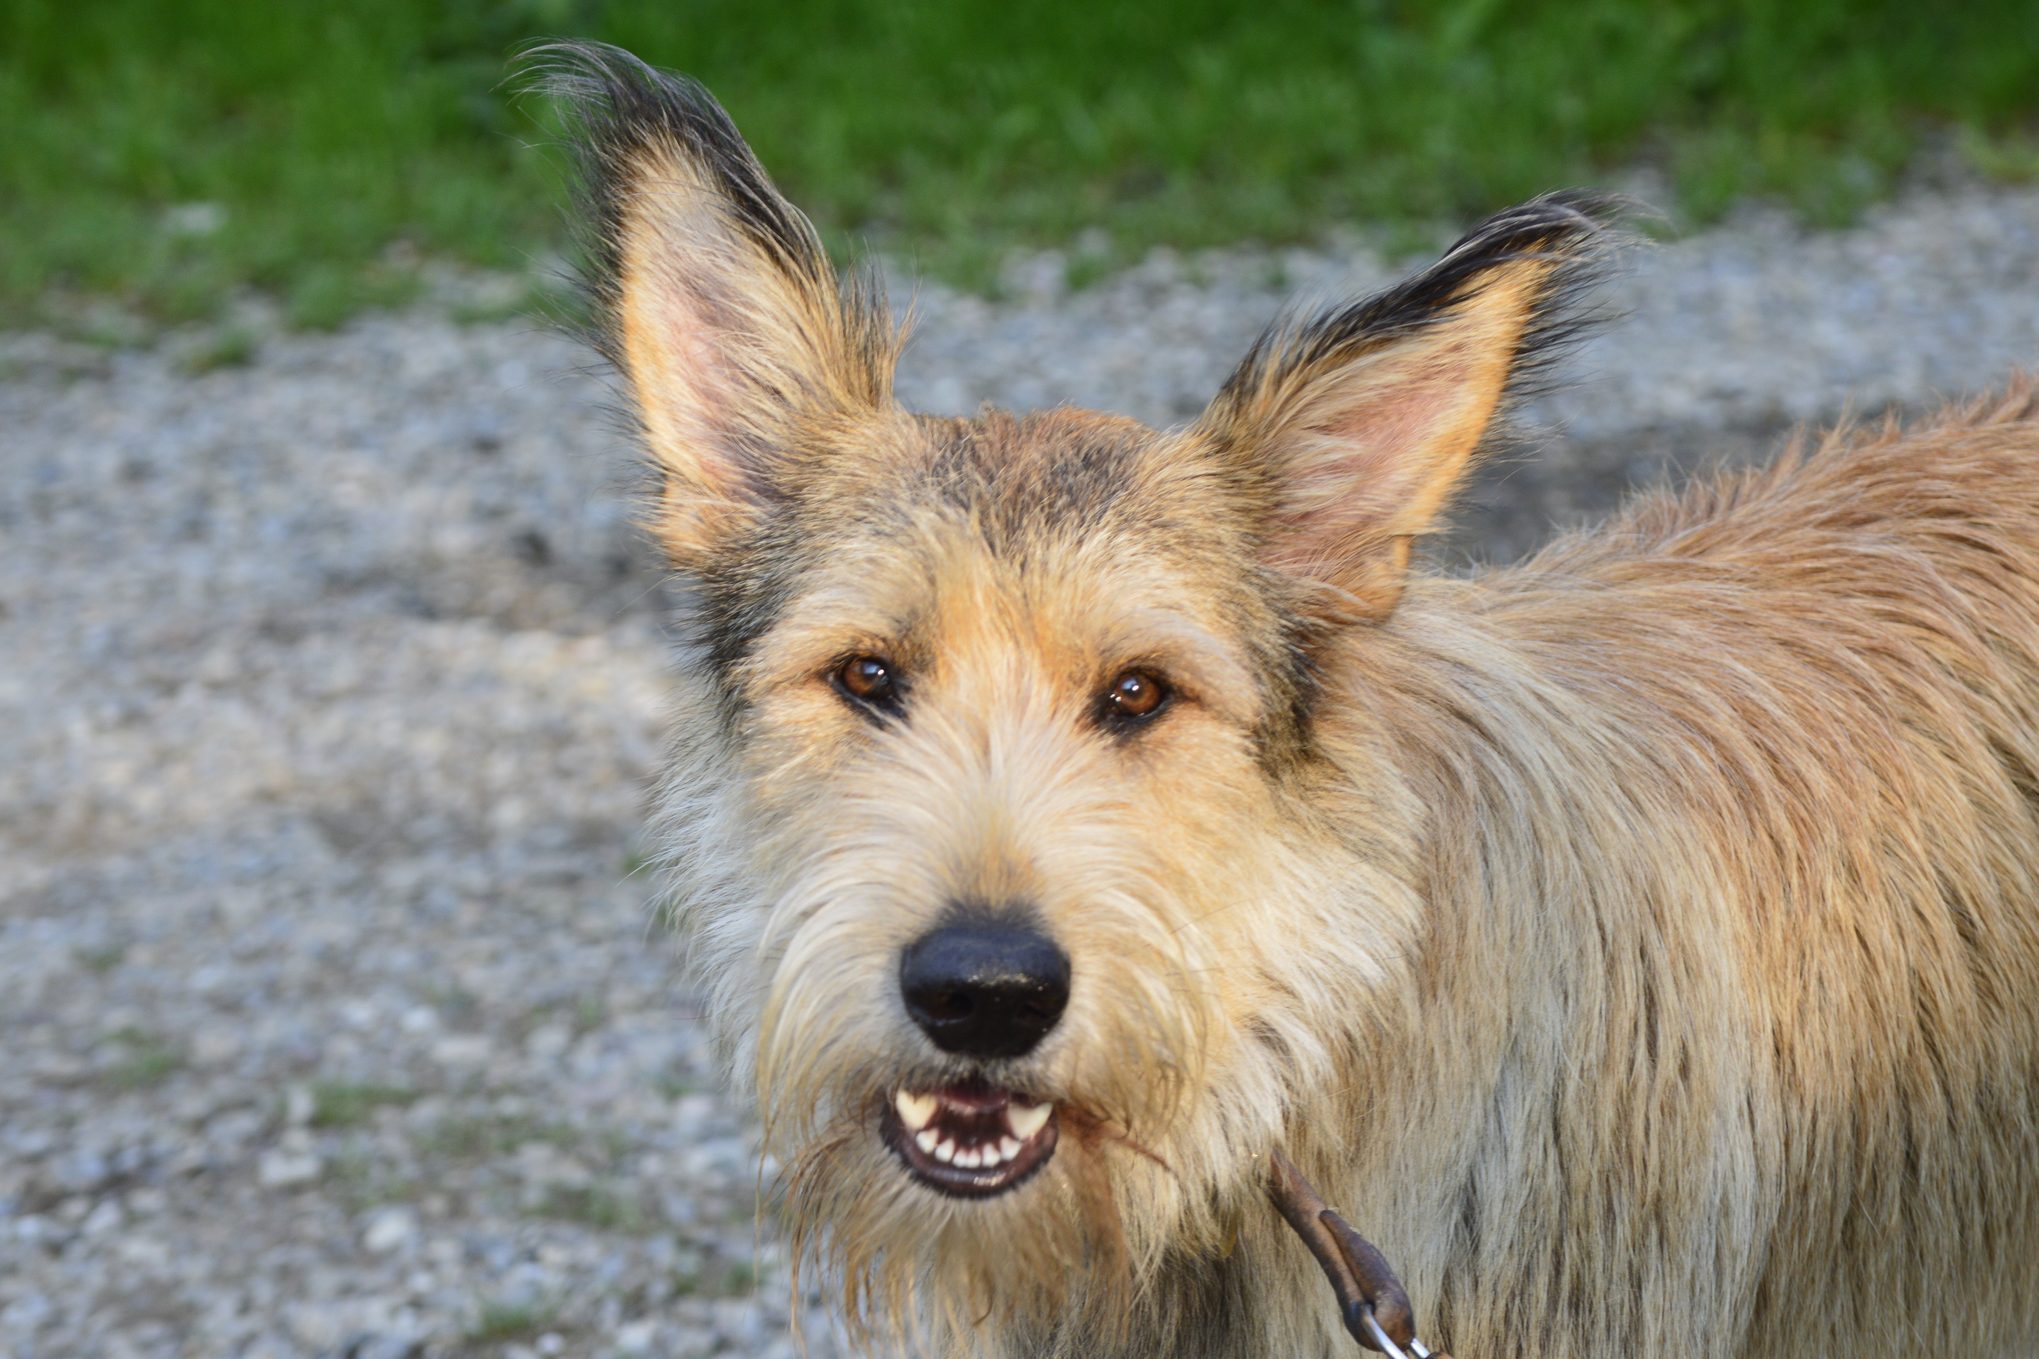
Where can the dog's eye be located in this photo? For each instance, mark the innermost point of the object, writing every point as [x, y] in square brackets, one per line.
[1133, 697]
[870, 681]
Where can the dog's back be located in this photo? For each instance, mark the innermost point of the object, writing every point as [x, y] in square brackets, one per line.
[1775, 746]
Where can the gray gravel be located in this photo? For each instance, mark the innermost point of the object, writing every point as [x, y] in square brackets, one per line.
[334, 1019]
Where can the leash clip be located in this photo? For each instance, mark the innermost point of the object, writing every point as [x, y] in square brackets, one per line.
[1388, 1347]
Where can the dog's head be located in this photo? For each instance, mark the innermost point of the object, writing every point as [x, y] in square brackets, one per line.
[997, 810]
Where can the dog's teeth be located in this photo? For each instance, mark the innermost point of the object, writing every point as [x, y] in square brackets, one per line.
[927, 1137]
[969, 1160]
[915, 1111]
[1026, 1119]
[1010, 1146]
[946, 1152]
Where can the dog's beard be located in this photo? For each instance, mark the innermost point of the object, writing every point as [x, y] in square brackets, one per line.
[1165, 1096]
[1124, 1074]
[916, 1267]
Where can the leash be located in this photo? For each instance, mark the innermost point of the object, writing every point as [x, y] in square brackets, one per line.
[1371, 1300]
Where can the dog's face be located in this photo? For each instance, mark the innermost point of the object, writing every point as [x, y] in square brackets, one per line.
[998, 808]
[989, 780]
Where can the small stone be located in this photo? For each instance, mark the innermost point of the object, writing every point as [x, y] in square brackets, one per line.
[194, 219]
[216, 1044]
[318, 1325]
[104, 1218]
[386, 1346]
[83, 1172]
[547, 1041]
[461, 1049]
[283, 1169]
[389, 1229]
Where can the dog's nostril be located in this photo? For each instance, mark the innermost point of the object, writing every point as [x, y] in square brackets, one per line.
[985, 988]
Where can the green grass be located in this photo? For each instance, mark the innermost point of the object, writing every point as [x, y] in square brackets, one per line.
[141, 1060]
[591, 1206]
[726, 1279]
[361, 1179]
[351, 1104]
[501, 1323]
[469, 1137]
[169, 151]
[102, 959]
[227, 347]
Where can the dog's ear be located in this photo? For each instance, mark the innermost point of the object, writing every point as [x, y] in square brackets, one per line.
[1354, 426]
[711, 293]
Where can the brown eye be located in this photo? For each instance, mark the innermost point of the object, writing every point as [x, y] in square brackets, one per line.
[1134, 696]
[868, 680]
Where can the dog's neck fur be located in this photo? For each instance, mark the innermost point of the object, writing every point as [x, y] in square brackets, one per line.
[1752, 740]
[1777, 738]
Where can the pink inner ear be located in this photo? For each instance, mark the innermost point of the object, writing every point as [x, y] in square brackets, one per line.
[675, 337]
[677, 348]
[1358, 469]
[1365, 451]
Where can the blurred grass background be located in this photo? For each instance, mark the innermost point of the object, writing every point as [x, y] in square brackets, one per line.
[168, 152]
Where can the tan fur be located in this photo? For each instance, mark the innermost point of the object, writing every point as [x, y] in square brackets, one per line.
[1641, 943]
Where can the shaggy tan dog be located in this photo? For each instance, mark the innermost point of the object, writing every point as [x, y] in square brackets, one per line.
[1641, 943]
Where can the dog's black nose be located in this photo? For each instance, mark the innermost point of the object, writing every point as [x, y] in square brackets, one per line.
[985, 988]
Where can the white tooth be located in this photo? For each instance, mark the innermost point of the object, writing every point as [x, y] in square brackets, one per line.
[946, 1152]
[969, 1160]
[914, 1110]
[927, 1137]
[1026, 1119]
[1010, 1146]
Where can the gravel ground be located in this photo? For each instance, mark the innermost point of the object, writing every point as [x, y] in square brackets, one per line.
[334, 1019]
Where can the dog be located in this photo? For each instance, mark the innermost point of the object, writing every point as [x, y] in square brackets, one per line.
[1640, 942]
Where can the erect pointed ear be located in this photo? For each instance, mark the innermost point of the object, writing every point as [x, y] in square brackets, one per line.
[711, 293]
[1357, 424]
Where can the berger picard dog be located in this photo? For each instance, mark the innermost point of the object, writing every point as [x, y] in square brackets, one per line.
[1641, 941]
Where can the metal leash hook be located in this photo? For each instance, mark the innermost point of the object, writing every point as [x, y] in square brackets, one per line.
[1388, 1347]
[1371, 1300]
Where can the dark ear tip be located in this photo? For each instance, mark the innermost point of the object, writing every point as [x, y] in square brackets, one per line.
[617, 113]
[1566, 223]
[1577, 235]
[567, 68]
[609, 94]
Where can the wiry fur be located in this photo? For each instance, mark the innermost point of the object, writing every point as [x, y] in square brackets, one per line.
[1640, 943]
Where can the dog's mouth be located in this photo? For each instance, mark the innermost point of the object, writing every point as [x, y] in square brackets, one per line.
[969, 1140]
